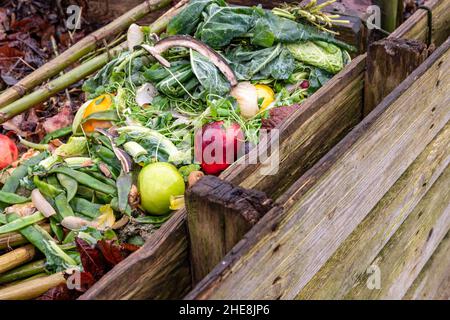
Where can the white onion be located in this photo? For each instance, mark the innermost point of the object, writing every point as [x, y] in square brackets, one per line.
[135, 36]
[247, 97]
[41, 204]
[145, 94]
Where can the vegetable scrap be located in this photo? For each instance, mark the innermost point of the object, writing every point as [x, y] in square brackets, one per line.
[157, 119]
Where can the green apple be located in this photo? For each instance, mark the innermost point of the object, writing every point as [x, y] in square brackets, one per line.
[157, 182]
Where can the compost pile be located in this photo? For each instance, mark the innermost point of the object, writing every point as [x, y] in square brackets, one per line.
[89, 194]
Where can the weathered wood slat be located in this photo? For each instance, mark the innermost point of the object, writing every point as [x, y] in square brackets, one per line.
[353, 257]
[416, 27]
[219, 215]
[323, 120]
[433, 282]
[404, 256]
[159, 270]
[283, 252]
[154, 260]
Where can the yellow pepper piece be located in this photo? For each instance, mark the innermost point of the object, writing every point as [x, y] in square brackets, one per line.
[265, 92]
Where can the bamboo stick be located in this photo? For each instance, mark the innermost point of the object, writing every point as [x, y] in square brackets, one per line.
[30, 289]
[16, 258]
[78, 50]
[23, 272]
[15, 239]
[78, 73]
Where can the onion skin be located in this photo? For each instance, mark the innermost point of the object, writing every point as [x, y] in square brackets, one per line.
[194, 177]
[41, 204]
[247, 97]
[135, 36]
[75, 223]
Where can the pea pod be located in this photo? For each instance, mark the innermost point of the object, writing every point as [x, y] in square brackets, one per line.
[57, 134]
[12, 198]
[70, 237]
[56, 229]
[108, 157]
[23, 272]
[13, 181]
[43, 242]
[3, 219]
[123, 190]
[33, 233]
[86, 180]
[115, 206]
[21, 223]
[85, 193]
[99, 176]
[46, 188]
[155, 220]
[63, 207]
[52, 180]
[85, 207]
[69, 184]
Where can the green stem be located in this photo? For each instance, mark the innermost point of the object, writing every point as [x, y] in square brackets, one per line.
[79, 50]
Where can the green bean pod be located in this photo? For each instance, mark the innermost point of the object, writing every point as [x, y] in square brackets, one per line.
[57, 134]
[21, 223]
[69, 184]
[63, 207]
[85, 207]
[12, 198]
[86, 180]
[13, 182]
[46, 188]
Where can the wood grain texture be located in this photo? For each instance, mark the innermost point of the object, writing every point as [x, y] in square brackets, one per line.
[389, 62]
[219, 215]
[404, 256]
[282, 253]
[159, 270]
[351, 260]
[323, 120]
[416, 27]
[433, 282]
[158, 266]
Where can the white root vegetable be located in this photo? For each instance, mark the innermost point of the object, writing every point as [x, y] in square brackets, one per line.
[247, 97]
[41, 204]
[135, 36]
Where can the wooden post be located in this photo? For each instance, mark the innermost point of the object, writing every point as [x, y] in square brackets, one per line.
[391, 13]
[389, 62]
[219, 215]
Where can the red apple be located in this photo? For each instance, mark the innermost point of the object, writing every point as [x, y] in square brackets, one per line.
[8, 151]
[218, 145]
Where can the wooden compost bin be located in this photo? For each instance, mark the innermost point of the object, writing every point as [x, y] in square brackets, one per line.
[352, 191]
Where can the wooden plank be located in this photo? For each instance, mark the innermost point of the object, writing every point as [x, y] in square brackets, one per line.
[159, 270]
[219, 215]
[404, 256]
[353, 257]
[159, 265]
[433, 282]
[389, 62]
[282, 253]
[323, 120]
[416, 27]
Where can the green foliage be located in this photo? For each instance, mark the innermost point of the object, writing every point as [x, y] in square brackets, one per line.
[319, 54]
